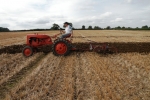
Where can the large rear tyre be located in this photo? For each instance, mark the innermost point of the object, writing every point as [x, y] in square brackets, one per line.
[27, 51]
[61, 47]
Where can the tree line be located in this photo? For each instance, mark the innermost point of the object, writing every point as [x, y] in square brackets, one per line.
[4, 29]
[115, 28]
[57, 27]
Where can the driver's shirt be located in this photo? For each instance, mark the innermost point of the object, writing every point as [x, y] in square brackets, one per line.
[68, 30]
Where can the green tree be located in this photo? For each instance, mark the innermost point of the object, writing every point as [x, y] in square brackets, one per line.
[129, 27]
[55, 27]
[123, 27]
[97, 28]
[83, 27]
[145, 27]
[90, 28]
[108, 27]
[4, 29]
[118, 27]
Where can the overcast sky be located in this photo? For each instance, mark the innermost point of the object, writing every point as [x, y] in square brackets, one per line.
[29, 14]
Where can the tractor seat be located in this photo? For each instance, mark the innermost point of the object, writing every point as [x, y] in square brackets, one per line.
[68, 36]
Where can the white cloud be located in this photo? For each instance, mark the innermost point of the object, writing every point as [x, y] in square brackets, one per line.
[144, 20]
[101, 16]
[117, 20]
[129, 1]
[26, 14]
[107, 14]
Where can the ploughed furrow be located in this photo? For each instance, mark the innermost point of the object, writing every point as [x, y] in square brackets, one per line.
[53, 81]
[12, 64]
[123, 47]
[17, 73]
[12, 49]
[18, 49]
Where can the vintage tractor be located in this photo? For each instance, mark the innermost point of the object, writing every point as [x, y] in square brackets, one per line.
[61, 47]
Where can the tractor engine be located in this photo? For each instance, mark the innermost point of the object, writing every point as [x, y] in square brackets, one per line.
[36, 40]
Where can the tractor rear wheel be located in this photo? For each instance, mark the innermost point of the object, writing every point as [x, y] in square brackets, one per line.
[61, 47]
[27, 51]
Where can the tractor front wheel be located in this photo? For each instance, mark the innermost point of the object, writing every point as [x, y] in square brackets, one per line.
[61, 47]
[27, 51]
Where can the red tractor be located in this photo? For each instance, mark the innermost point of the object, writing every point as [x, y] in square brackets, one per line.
[60, 47]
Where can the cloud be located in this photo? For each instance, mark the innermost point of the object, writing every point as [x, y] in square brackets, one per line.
[107, 14]
[144, 20]
[4, 25]
[117, 20]
[26, 14]
[42, 21]
[129, 1]
[98, 17]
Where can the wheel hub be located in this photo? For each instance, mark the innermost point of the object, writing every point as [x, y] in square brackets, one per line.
[61, 48]
[27, 52]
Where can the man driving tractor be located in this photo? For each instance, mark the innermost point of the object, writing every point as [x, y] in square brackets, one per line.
[60, 46]
[68, 31]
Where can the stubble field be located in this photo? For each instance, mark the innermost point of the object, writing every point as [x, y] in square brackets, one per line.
[81, 75]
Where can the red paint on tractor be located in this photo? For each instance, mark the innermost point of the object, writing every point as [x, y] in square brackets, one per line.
[37, 40]
[27, 52]
[61, 48]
